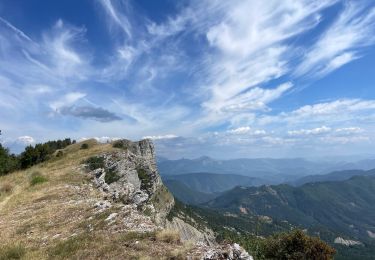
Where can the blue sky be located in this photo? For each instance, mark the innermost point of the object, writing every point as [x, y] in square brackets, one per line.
[220, 78]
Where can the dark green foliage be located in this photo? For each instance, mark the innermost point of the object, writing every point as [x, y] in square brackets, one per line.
[84, 146]
[111, 176]
[95, 162]
[119, 144]
[59, 154]
[37, 178]
[8, 162]
[41, 152]
[11, 252]
[145, 179]
[296, 245]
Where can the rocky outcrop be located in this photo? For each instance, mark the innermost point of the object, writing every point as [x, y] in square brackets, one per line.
[227, 252]
[188, 232]
[129, 175]
[347, 242]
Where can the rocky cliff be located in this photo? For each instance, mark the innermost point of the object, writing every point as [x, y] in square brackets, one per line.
[129, 175]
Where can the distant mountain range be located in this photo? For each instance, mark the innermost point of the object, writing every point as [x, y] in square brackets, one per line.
[187, 195]
[213, 182]
[333, 176]
[273, 171]
[347, 207]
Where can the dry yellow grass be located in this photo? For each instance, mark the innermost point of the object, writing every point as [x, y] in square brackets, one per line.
[56, 219]
[168, 236]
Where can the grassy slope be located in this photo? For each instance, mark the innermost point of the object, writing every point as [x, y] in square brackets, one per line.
[56, 218]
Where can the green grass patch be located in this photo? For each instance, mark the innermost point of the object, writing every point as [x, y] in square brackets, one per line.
[37, 178]
[16, 251]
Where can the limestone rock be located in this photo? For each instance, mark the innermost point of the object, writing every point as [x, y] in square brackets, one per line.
[129, 175]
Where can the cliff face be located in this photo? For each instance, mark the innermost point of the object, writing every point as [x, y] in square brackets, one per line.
[129, 175]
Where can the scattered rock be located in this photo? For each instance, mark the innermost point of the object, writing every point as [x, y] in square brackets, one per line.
[347, 242]
[111, 217]
[370, 234]
[228, 252]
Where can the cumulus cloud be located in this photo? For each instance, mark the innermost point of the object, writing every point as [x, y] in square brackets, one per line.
[247, 130]
[314, 131]
[102, 139]
[26, 140]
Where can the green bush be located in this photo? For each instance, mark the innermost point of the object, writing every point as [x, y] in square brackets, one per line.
[296, 245]
[8, 162]
[95, 162]
[119, 144]
[37, 178]
[59, 154]
[84, 146]
[111, 176]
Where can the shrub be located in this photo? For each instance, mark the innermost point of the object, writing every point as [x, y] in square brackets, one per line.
[59, 154]
[111, 176]
[37, 178]
[12, 252]
[8, 162]
[168, 236]
[145, 178]
[84, 146]
[95, 162]
[119, 144]
[296, 245]
[6, 187]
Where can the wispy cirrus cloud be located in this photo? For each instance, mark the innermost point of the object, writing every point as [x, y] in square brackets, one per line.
[342, 42]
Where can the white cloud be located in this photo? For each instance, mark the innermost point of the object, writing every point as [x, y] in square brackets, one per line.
[340, 44]
[102, 139]
[160, 137]
[117, 17]
[247, 130]
[240, 130]
[26, 140]
[341, 110]
[314, 131]
[66, 100]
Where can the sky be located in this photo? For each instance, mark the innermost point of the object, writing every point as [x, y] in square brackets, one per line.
[227, 79]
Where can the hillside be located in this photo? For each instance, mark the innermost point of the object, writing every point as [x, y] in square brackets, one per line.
[213, 182]
[95, 202]
[188, 195]
[331, 208]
